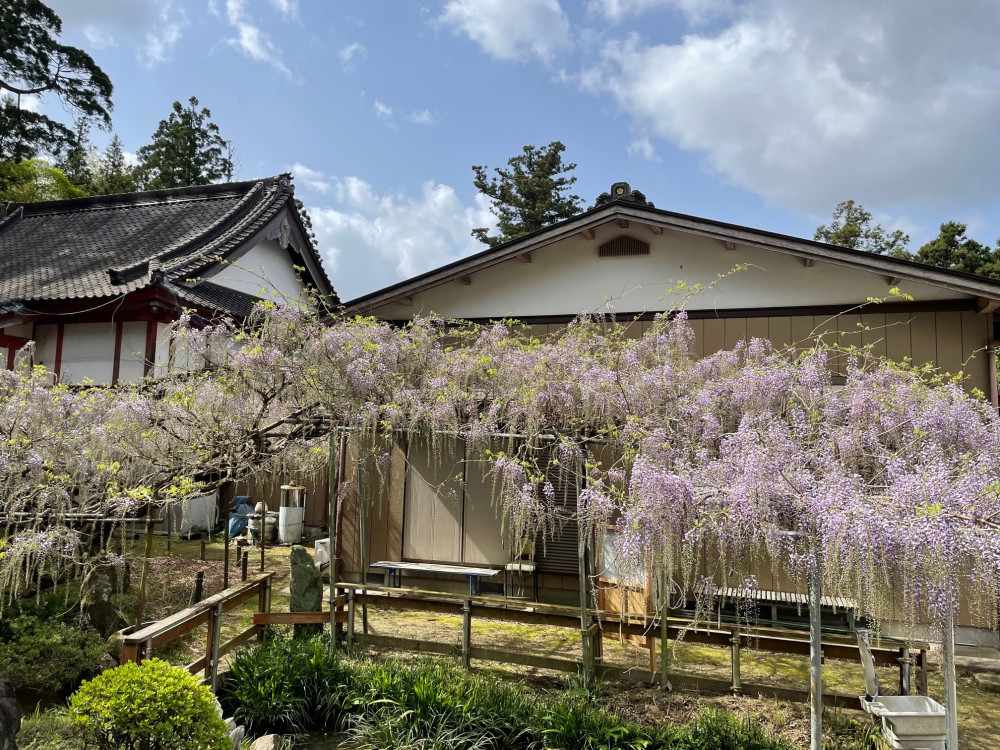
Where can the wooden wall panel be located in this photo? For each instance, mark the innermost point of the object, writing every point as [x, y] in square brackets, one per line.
[802, 331]
[779, 331]
[949, 341]
[735, 331]
[975, 338]
[874, 333]
[897, 336]
[715, 335]
[757, 328]
[923, 334]
[698, 326]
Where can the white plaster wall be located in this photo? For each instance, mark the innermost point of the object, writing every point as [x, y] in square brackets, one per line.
[265, 271]
[45, 346]
[133, 354]
[88, 352]
[23, 330]
[568, 278]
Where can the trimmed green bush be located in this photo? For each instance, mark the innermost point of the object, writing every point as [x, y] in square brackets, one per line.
[38, 649]
[148, 706]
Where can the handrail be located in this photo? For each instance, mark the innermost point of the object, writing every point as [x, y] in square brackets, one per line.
[137, 646]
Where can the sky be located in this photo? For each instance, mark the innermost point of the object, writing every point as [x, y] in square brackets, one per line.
[764, 113]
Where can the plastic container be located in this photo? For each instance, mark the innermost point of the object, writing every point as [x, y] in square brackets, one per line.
[909, 722]
[291, 514]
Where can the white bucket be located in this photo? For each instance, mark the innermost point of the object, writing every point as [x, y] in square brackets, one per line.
[290, 525]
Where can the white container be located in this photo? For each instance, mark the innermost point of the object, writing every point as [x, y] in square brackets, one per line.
[321, 553]
[909, 722]
[290, 525]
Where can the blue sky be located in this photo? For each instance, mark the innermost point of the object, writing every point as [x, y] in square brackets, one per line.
[763, 112]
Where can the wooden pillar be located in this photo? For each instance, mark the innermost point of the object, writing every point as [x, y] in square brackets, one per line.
[350, 617]
[333, 481]
[212, 646]
[737, 681]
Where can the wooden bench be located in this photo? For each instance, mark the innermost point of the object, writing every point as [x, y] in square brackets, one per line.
[394, 572]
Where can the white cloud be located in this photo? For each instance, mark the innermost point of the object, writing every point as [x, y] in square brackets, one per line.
[29, 102]
[250, 40]
[160, 43]
[311, 178]
[350, 53]
[383, 110]
[695, 10]
[422, 117]
[370, 240]
[511, 29]
[288, 8]
[642, 148]
[809, 103]
[99, 37]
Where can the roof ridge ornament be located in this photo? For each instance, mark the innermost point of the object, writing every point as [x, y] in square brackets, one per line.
[622, 191]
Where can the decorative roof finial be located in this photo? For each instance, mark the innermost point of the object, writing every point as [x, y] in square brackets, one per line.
[622, 191]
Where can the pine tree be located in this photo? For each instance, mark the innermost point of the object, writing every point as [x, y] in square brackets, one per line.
[529, 195]
[113, 174]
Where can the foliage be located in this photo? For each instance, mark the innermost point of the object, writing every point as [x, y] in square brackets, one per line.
[44, 648]
[35, 180]
[852, 227]
[34, 62]
[529, 195]
[952, 249]
[49, 730]
[430, 704]
[187, 149]
[151, 706]
[113, 174]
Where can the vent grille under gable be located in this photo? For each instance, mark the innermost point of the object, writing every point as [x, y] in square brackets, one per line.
[622, 246]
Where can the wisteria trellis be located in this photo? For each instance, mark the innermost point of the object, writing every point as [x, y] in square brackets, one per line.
[893, 479]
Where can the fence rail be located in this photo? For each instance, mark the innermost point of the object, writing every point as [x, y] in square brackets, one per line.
[603, 624]
[140, 645]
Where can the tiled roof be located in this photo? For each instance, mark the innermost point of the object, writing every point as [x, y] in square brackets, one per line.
[103, 247]
[216, 297]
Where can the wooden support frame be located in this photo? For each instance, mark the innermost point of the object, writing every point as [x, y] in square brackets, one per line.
[589, 234]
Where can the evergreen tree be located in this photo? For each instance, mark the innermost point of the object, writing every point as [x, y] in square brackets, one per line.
[187, 149]
[79, 160]
[33, 62]
[952, 249]
[113, 174]
[852, 227]
[531, 194]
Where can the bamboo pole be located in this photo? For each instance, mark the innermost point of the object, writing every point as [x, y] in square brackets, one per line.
[950, 688]
[815, 657]
[362, 532]
[140, 609]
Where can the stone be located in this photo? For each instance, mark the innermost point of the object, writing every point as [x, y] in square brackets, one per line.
[267, 742]
[988, 681]
[306, 588]
[10, 716]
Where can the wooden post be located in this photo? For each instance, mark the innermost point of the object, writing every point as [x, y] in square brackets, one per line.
[225, 555]
[735, 641]
[921, 664]
[263, 604]
[214, 642]
[333, 481]
[904, 670]
[664, 632]
[140, 610]
[243, 565]
[168, 513]
[364, 545]
[350, 617]
[466, 633]
[199, 586]
[203, 551]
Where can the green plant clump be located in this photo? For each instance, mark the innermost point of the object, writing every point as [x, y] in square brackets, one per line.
[291, 685]
[148, 706]
[39, 649]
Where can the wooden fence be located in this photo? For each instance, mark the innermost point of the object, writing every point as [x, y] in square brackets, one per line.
[139, 645]
[604, 624]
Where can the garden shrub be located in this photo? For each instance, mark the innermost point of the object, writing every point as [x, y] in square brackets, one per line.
[148, 706]
[39, 649]
[288, 685]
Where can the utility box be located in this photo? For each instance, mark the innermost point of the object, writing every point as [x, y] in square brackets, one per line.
[909, 722]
